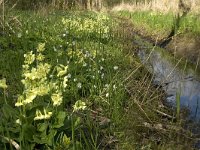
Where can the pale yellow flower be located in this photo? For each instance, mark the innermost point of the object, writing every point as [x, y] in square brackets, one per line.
[18, 121]
[3, 84]
[47, 115]
[62, 70]
[79, 105]
[25, 67]
[26, 83]
[31, 75]
[65, 81]
[43, 70]
[41, 47]
[30, 96]
[40, 116]
[57, 99]
[40, 57]
[43, 89]
[19, 101]
[38, 73]
[29, 57]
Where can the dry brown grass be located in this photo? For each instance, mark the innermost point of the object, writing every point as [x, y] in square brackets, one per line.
[159, 6]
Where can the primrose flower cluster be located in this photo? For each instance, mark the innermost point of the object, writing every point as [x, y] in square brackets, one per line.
[97, 25]
[39, 80]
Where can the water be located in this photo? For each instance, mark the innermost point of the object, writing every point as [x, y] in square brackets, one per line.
[176, 78]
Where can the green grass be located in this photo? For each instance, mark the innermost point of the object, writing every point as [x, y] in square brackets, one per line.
[159, 24]
[94, 61]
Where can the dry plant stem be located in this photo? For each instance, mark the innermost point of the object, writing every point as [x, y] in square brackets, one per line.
[148, 87]
[185, 66]
[175, 67]
[142, 83]
[15, 144]
[13, 6]
[136, 102]
[144, 79]
[132, 73]
[155, 97]
[164, 6]
[197, 64]
[167, 129]
[164, 114]
[142, 86]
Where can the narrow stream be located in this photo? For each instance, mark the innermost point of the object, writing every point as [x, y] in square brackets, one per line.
[178, 78]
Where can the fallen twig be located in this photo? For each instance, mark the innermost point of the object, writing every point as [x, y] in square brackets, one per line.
[15, 144]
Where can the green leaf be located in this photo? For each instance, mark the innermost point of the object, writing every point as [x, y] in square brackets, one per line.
[50, 137]
[60, 118]
[42, 127]
[178, 104]
[42, 138]
[37, 139]
[77, 122]
[28, 131]
[9, 112]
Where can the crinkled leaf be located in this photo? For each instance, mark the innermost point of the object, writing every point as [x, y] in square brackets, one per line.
[59, 120]
[42, 127]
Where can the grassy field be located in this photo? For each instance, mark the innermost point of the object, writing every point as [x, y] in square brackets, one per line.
[159, 25]
[71, 80]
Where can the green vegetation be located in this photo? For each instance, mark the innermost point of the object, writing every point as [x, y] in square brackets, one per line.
[176, 32]
[156, 24]
[71, 80]
[68, 85]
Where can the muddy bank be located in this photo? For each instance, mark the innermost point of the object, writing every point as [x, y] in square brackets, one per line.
[182, 45]
[185, 45]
